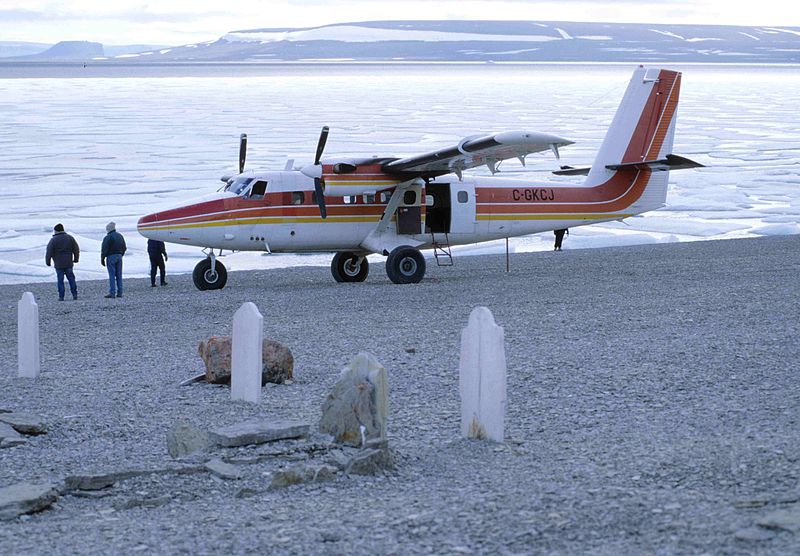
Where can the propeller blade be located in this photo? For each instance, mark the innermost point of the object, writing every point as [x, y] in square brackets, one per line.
[323, 138]
[320, 195]
[242, 151]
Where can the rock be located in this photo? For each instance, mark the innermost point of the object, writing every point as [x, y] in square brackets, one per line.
[277, 362]
[223, 470]
[26, 423]
[787, 519]
[258, 432]
[370, 462]
[9, 437]
[10, 443]
[197, 378]
[753, 534]
[90, 482]
[302, 473]
[184, 439]
[26, 498]
[359, 400]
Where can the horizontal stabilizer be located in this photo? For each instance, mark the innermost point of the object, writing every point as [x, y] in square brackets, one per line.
[571, 171]
[671, 162]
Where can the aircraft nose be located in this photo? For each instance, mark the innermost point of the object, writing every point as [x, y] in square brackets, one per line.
[145, 222]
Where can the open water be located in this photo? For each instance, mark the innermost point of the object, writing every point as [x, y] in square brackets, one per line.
[83, 146]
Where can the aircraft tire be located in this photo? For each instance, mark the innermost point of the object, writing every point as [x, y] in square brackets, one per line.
[405, 265]
[204, 279]
[344, 270]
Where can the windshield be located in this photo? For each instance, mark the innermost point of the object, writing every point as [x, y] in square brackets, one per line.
[238, 185]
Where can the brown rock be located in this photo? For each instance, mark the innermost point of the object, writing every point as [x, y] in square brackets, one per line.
[277, 360]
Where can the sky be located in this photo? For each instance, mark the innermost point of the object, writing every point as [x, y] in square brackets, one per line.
[177, 22]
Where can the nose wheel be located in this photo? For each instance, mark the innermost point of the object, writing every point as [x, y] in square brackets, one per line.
[349, 267]
[206, 277]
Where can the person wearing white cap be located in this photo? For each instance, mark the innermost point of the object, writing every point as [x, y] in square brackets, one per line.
[111, 254]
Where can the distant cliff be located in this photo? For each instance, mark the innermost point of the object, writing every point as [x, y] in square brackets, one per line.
[71, 50]
[471, 41]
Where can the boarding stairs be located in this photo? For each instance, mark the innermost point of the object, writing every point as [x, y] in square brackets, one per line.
[441, 249]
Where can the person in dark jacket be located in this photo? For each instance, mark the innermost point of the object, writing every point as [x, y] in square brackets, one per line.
[559, 238]
[158, 254]
[111, 253]
[63, 252]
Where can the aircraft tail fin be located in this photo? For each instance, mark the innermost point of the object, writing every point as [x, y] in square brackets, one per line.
[641, 135]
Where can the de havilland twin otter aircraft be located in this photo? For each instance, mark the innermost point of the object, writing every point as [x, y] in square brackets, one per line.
[399, 206]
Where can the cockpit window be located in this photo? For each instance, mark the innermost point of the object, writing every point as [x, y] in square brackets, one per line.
[258, 190]
[238, 185]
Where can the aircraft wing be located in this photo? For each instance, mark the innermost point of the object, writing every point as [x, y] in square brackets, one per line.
[476, 151]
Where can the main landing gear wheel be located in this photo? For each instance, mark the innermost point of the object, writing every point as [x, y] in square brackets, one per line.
[346, 267]
[206, 278]
[405, 265]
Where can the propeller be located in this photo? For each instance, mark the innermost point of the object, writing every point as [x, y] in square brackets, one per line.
[242, 151]
[320, 194]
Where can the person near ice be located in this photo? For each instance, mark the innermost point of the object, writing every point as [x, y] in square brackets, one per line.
[111, 253]
[63, 252]
[559, 238]
[157, 252]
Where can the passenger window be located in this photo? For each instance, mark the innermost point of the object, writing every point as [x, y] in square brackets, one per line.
[384, 197]
[410, 198]
[369, 199]
[463, 197]
[298, 198]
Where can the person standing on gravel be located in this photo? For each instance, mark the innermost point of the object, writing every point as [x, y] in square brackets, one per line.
[559, 238]
[111, 254]
[63, 251]
[157, 252]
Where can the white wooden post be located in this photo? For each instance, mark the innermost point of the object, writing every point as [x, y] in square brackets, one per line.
[482, 377]
[246, 352]
[28, 336]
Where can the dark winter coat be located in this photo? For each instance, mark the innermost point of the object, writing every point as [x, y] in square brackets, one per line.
[113, 244]
[63, 250]
[156, 249]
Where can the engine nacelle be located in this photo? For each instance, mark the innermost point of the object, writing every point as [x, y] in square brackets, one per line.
[344, 178]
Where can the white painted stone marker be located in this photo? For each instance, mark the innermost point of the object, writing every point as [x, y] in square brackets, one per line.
[482, 377]
[28, 336]
[247, 338]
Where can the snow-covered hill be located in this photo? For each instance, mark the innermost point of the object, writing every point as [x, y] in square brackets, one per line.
[488, 41]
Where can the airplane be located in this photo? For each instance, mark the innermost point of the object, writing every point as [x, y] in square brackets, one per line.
[399, 206]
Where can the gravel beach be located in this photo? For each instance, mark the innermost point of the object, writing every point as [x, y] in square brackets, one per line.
[653, 408]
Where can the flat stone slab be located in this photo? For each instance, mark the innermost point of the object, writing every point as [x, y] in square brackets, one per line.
[787, 519]
[9, 436]
[258, 432]
[26, 423]
[26, 498]
[90, 482]
[223, 470]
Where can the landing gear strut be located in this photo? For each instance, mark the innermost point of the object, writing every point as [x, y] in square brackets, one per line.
[405, 265]
[349, 267]
[209, 274]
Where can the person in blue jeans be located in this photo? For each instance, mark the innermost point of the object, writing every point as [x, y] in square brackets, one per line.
[111, 253]
[63, 252]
